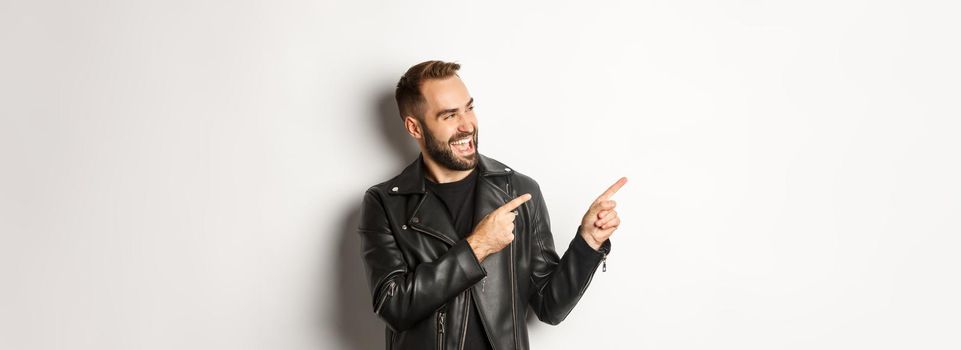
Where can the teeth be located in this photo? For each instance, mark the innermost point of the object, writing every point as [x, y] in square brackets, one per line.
[461, 142]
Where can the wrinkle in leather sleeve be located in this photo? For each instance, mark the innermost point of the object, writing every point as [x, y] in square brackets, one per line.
[404, 295]
[558, 283]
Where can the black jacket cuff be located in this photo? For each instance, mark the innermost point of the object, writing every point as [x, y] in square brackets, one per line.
[583, 249]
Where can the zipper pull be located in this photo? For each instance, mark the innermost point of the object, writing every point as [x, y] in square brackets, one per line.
[440, 323]
[604, 261]
[484, 284]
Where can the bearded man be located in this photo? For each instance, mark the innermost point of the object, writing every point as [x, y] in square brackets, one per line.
[458, 246]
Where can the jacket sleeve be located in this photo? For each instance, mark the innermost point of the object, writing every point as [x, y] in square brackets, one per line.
[403, 296]
[558, 283]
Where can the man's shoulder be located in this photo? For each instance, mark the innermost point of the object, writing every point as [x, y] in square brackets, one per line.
[387, 186]
[406, 181]
[382, 186]
[524, 183]
[521, 181]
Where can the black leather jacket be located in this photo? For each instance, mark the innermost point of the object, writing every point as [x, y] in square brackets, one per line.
[423, 277]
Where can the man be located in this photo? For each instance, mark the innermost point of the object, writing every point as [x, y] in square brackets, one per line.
[454, 256]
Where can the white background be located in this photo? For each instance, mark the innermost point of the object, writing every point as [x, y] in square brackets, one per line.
[188, 174]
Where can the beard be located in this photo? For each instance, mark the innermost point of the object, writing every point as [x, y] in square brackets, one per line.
[443, 154]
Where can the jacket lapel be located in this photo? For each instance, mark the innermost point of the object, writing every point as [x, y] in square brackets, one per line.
[431, 217]
[489, 195]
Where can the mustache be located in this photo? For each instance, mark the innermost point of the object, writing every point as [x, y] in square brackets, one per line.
[460, 136]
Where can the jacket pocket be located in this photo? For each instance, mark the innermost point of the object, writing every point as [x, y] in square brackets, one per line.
[387, 291]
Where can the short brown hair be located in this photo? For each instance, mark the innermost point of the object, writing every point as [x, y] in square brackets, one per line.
[410, 101]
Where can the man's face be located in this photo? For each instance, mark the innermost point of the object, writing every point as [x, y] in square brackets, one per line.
[450, 127]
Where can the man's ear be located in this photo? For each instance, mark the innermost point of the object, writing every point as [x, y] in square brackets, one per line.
[413, 127]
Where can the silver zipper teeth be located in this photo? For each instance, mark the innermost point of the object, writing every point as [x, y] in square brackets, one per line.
[513, 291]
[389, 291]
[510, 189]
[440, 329]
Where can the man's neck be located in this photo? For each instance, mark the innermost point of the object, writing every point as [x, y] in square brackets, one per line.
[440, 174]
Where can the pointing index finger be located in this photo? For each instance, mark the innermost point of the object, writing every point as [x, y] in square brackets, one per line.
[516, 202]
[612, 190]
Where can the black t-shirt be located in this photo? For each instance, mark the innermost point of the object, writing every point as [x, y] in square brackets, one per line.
[458, 198]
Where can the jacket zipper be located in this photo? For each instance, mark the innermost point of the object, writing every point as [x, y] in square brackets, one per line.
[388, 292]
[513, 291]
[510, 190]
[441, 318]
[604, 261]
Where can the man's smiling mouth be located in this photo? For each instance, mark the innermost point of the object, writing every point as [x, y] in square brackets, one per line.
[463, 146]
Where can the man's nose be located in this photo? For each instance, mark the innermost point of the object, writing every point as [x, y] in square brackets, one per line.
[465, 126]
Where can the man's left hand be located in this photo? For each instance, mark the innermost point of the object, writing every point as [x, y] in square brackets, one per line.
[601, 219]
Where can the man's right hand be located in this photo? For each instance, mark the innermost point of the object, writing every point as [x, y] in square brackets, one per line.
[496, 230]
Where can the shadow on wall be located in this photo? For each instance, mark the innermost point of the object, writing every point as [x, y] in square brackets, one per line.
[356, 323]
